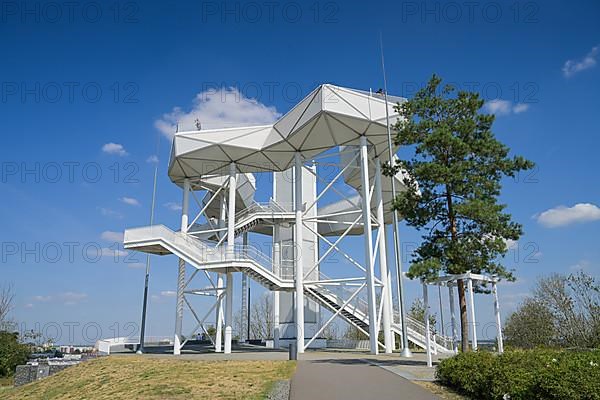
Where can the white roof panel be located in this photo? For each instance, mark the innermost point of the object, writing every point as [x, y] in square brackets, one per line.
[329, 116]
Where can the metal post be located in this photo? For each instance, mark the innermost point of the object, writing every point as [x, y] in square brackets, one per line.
[385, 277]
[298, 254]
[230, 256]
[498, 322]
[228, 312]
[400, 277]
[140, 349]
[277, 272]
[366, 213]
[441, 310]
[244, 297]
[181, 273]
[453, 319]
[472, 306]
[427, 327]
[248, 316]
[220, 284]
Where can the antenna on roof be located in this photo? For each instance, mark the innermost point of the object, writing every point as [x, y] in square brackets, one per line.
[405, 350]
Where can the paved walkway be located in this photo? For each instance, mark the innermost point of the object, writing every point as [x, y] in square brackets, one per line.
[350, 379]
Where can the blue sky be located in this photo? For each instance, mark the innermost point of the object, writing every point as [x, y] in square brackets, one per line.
[89, 89]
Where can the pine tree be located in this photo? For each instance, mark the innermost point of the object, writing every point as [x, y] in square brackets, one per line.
[454, 179]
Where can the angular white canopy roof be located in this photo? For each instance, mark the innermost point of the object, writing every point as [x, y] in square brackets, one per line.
[329, 116]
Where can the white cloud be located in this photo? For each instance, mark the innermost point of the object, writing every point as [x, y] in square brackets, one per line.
[226, 107]
[114, 148]
[572, 67]
[173, 206]
[520, 107]
[498, 107]
[106, 252]
[504, 107]
[168, 293]
[136, 265]
[72, 296]
[511, 244]
[28, 305]
[153, 159]
[130, 201]
[68, 298]
[111, 236]
[107, 212]
[561, 216]
[580, 266]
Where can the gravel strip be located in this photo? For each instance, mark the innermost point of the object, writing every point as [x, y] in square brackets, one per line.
[280, 391]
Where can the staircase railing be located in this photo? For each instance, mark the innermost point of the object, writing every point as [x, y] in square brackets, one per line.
[264, 207]
[359, 303]
[341, 294]
[205, 251]
[243, 216]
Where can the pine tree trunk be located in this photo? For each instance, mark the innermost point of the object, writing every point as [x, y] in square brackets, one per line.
[464, 322]
[462, 299]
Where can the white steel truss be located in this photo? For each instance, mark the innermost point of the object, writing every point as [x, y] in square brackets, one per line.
[348, 134]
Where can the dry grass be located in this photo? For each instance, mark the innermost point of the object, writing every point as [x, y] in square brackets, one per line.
[156, 378]
[441, 391]
[6, 381]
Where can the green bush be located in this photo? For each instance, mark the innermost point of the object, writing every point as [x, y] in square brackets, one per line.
[524, 374]
[12, 353]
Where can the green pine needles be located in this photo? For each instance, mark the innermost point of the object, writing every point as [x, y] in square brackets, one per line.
[454, 179]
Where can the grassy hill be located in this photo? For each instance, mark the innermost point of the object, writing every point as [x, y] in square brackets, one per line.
[137, 377]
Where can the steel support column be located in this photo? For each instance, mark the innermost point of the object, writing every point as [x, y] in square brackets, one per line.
[298, 242]
[453, 319]
[230, 255]
[185, 205]
[385, 276]
[228, 312]
[244, 308]
[472, 310]
[220, 285]
[277, 272]
[366, 212]
[498, 321]
[427, 327]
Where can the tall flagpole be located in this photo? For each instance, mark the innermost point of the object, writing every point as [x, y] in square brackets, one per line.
[140, 349]
[405, 350]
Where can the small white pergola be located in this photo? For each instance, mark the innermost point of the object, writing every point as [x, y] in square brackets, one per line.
[451, 281]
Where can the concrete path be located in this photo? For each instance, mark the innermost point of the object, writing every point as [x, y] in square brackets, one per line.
[349, 379]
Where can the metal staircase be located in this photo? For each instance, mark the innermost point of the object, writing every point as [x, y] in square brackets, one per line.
[318, 294]
[158, 239]
[255, 215]
[356, 314]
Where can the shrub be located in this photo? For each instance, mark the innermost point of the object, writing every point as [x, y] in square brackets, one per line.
[12, 353]
[524, 374]
[531, 325]
[564, 311]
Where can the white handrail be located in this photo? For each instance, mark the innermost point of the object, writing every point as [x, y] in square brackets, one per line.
[207, 253]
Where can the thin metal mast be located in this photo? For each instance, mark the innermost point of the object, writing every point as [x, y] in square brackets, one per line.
[405, 350]
[140, 349]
